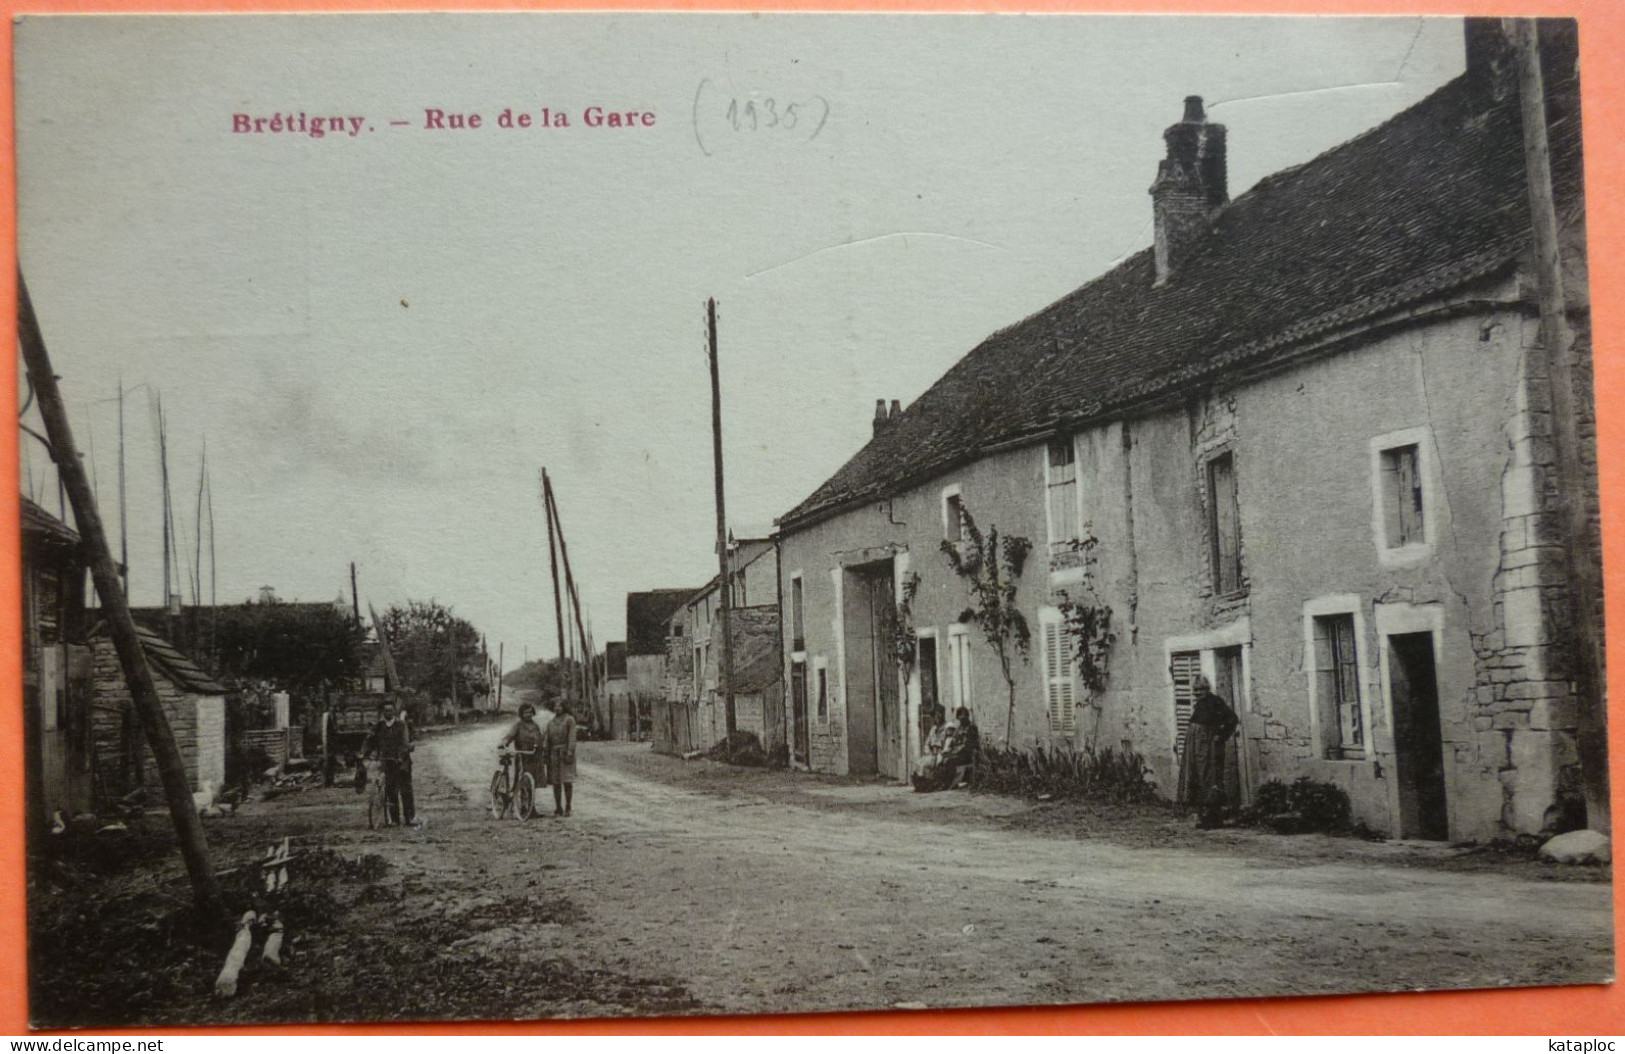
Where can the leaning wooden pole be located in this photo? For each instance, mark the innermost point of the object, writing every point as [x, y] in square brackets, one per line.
[553, 567]
[116, 610]
[575, 607]
[725, 587]
[1557, 339]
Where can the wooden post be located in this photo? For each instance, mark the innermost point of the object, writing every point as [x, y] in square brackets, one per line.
[553, 565]
[115, 608]
[355, 594]
[499, 676]
[575, 608]
[1575, 483]
[722, 527]
[226, 984]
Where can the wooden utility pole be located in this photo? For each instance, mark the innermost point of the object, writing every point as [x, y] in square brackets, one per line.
[123, 509]
[169, 532]
[726, 589]
[115, 608]
[1575, 482]
[499, 676]
[553, 566]
[575, 603]
[355, 594]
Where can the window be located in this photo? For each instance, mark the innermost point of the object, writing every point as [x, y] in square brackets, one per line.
[953, 514]
[1224, 524]
[798, 616]
[1061, 485]
[823, 693]
[1401, 484]
[1183, 667]
[959, 659]
[1337, 687]
[1059, 697]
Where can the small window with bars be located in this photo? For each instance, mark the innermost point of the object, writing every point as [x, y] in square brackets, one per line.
[1184, 666]
[823, 693]
[1402, 505]
[1337, 688]
[1059, 688]
[1061, 486]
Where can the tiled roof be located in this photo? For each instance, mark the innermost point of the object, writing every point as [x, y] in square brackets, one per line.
[646, 617]
[39, 523]
[1425, 203]
[170, 664]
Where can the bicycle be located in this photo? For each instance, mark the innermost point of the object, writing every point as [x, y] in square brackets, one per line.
[377, 810]
[512, 787]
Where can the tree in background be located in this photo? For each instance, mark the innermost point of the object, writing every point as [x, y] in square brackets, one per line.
[432, 647]
[295, 646]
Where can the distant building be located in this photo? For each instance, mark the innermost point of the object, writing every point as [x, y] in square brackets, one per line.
[695, 700]
[623, 715]
[648, 616]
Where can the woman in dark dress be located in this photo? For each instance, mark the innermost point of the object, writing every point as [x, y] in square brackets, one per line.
[1201, 768]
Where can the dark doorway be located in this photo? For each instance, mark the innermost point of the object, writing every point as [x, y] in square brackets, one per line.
[1418, 742]
[798, 711]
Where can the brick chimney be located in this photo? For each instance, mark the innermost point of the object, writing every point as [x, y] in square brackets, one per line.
[884, 418]
[1191, 184]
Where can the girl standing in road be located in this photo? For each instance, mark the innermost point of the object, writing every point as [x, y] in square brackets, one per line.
[526, 736]
[560, 743]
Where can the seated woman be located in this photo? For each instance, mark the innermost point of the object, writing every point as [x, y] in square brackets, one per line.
[936, 738]
[952, 769]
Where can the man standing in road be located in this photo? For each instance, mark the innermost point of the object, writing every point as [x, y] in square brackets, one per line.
[1201, 769]
[391, 741]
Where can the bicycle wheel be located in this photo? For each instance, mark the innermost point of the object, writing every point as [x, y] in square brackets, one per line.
[526, 797]
[501, 798]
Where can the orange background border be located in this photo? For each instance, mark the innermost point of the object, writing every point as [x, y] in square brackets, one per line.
[1550, 1011]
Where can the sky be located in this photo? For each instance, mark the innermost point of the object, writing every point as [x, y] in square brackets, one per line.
[382, 338]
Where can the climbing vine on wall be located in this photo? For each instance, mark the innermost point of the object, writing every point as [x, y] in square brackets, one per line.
[1088, 622]
[990, 566]
[905, 642]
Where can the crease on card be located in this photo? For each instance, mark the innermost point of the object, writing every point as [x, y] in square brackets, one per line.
[905, 235]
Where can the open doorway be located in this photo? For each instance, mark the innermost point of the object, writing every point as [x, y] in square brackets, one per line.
[1418, 741]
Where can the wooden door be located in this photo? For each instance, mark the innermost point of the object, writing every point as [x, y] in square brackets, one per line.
[888, 715]
[798, 712]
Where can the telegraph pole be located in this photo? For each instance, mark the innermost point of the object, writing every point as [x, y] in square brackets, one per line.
[1557, 339]
[553, 564]
[116, 609]
[722, 526]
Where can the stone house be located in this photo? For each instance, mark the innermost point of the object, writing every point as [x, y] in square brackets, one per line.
[193, 702]
[648, 668]
[56, 667]
[1303, 445]
[694, 637]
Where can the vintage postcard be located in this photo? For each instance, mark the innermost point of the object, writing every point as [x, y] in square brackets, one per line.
[727, 514]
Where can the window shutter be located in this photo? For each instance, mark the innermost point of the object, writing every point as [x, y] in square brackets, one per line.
[1058, 678]
[1393, 500]
[1186, 665]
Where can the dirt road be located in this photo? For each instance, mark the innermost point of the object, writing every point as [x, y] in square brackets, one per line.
[811, 895]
